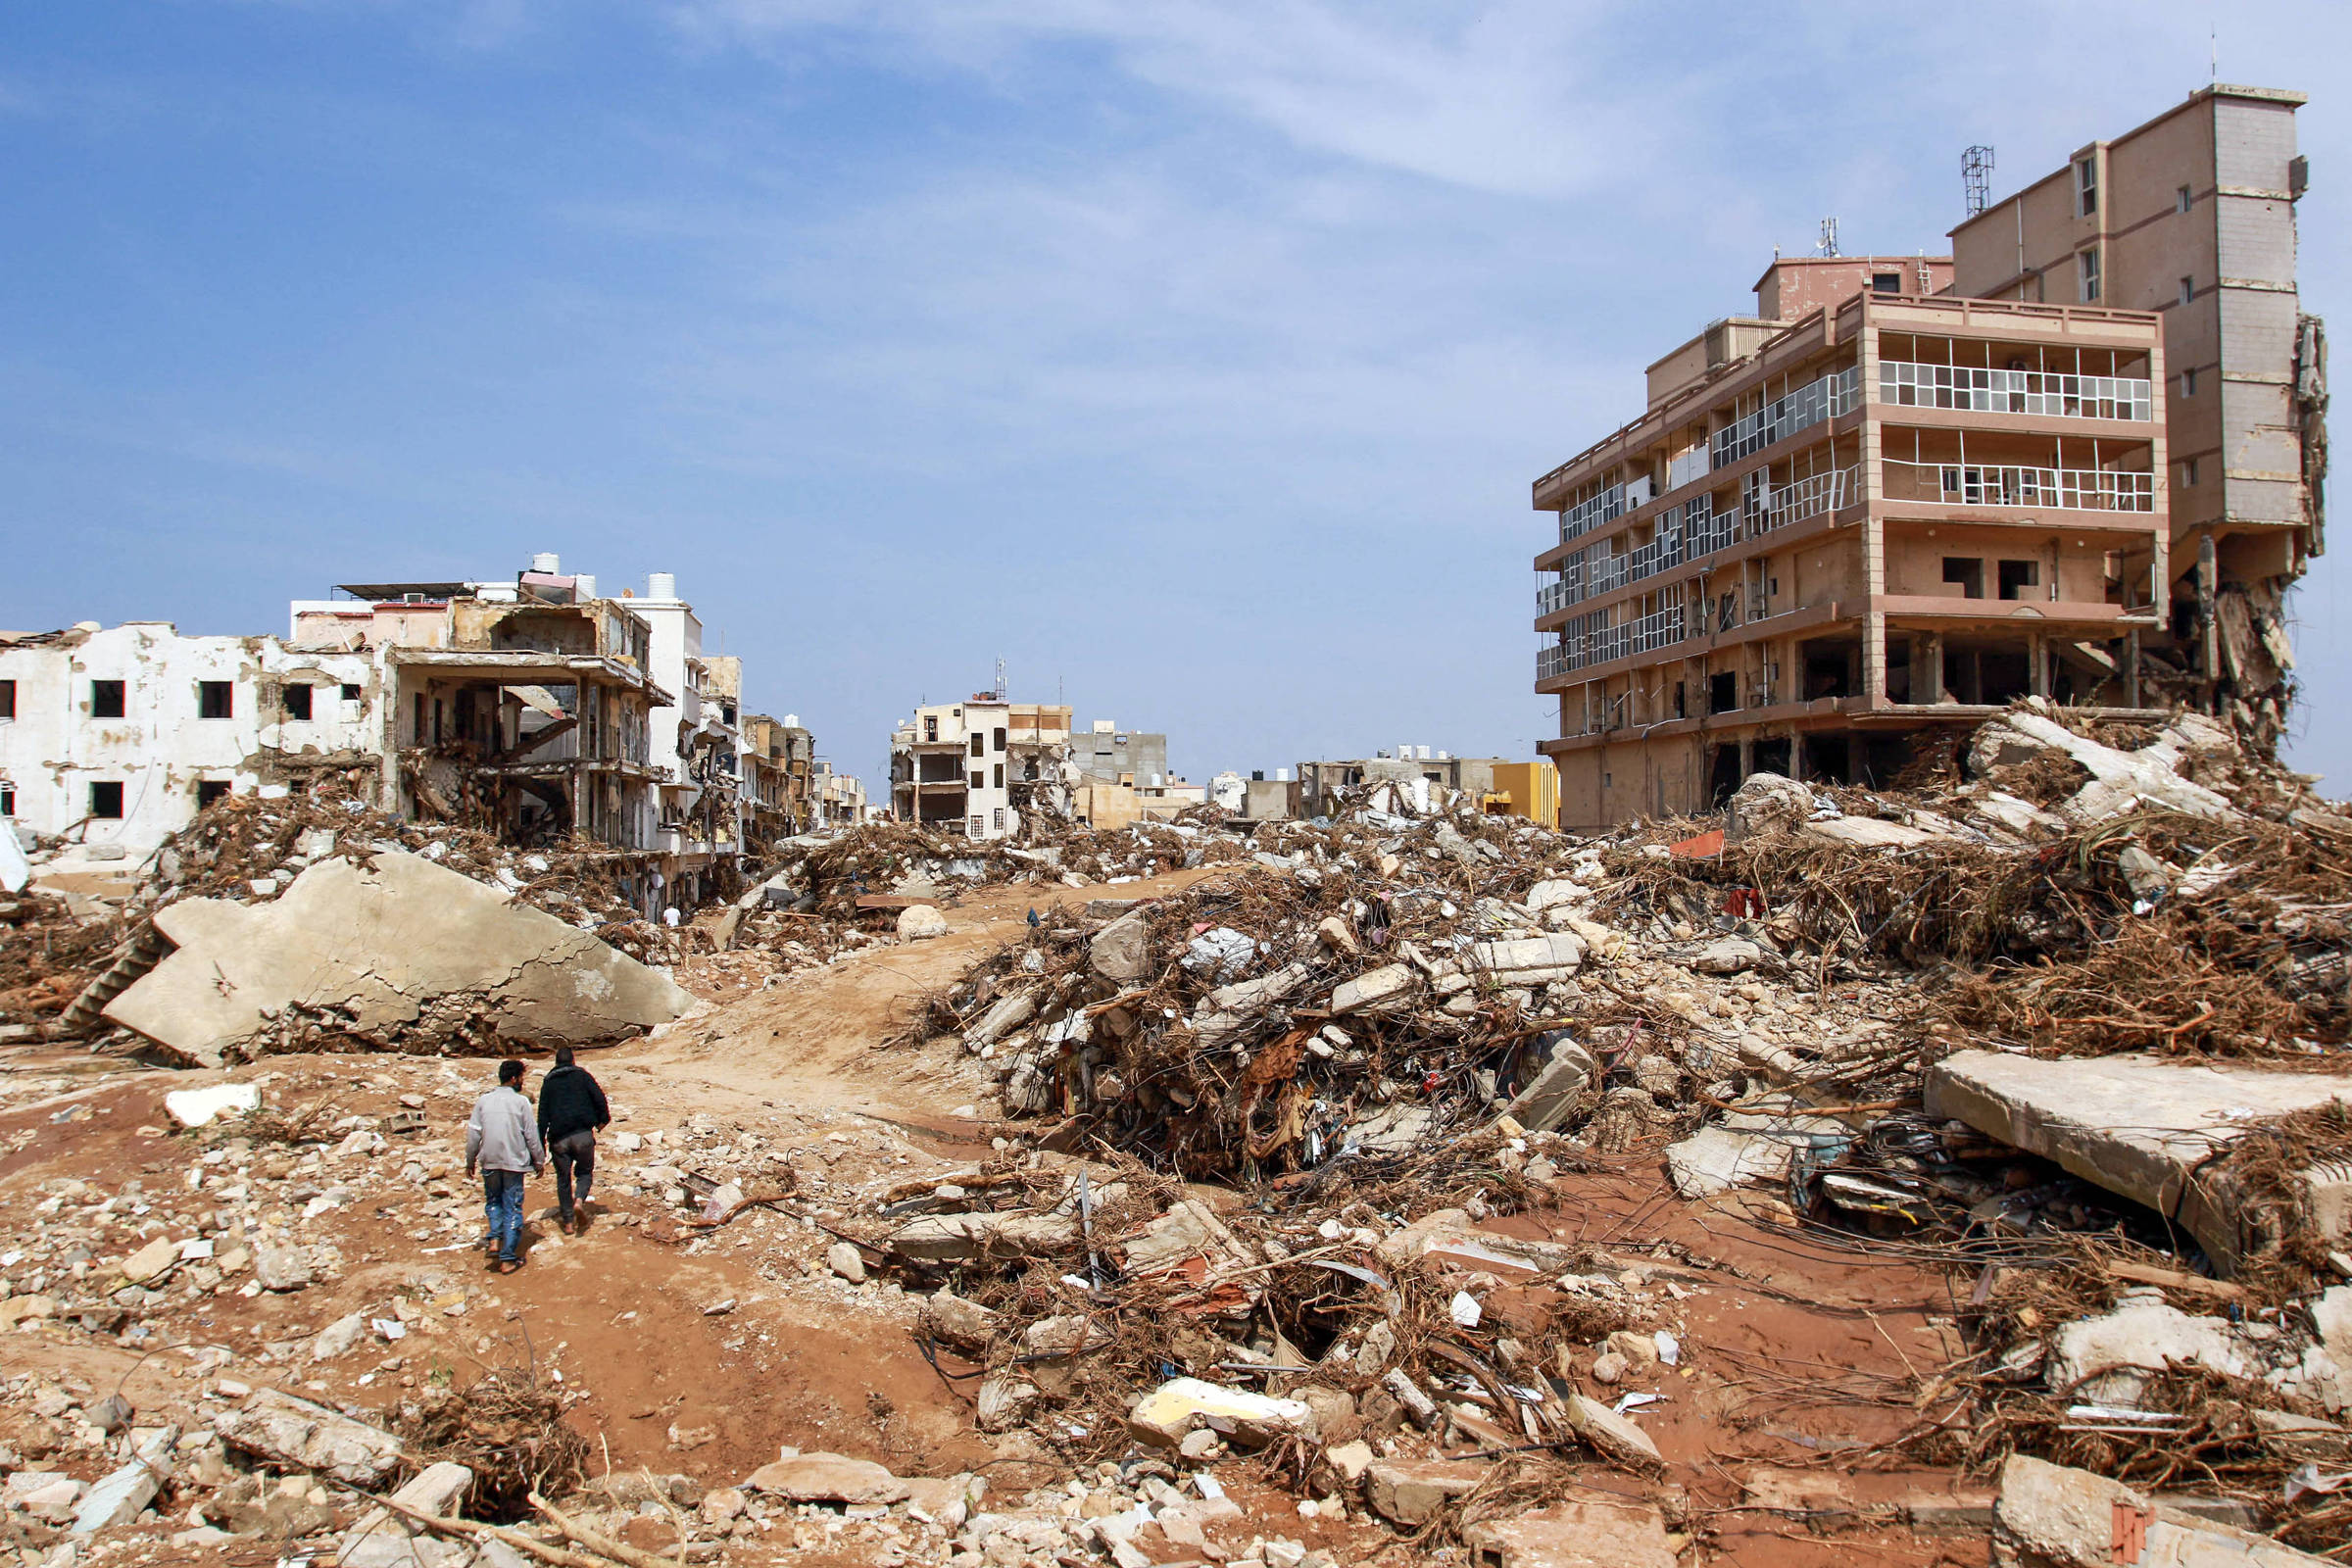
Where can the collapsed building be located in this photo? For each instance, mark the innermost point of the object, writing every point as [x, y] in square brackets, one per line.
[1866, 519]
[974, 767]
[537, 710]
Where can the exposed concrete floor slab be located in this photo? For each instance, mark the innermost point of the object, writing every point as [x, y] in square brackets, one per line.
[2143, 1127]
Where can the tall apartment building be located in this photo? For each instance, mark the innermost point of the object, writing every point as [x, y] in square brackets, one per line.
[1893, 515]
[1911, 489]
[974, 767]
[2192, 217]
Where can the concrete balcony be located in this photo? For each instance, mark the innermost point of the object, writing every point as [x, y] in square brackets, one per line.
[1955, 484]
[2046, 394]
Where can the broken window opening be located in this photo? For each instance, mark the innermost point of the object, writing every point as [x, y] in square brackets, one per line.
[350, 691]
[1723, 774]
[297, 699]
[1722, 692]
[8, 699]
[106, 699]
[106, 799]
[2017, 576]
[1000, 739]
[216, 699]
[208, 790]
[1885, 282]
[930, 727]
[1968, 572]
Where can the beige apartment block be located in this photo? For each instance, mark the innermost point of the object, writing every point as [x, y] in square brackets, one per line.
[1831, 538]
[2191, 216]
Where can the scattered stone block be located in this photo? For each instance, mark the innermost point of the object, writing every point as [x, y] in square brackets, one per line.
[1410, 1492]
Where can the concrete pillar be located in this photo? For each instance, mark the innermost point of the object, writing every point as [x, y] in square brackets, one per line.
[1927, 667]
[1747, 755]
[2132, 668]
[1873, 657]
[2037, 655]
[2209, 659]
[1797, 754]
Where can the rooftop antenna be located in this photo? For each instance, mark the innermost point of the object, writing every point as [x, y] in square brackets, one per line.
[999, 678]
[1976, 174]
[1829, 236]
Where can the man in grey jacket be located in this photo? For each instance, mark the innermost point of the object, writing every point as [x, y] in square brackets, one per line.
[503, 1138]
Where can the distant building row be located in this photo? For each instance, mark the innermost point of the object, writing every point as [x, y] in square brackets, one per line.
[536, 708]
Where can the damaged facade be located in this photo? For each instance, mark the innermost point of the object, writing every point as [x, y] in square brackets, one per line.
[1835, 534]
[974, 767]
[116, 737]
[2192, 217]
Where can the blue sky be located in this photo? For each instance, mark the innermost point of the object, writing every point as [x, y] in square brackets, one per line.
[1193, 357]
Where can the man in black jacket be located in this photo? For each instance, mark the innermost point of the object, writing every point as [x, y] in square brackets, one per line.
[572, 1107]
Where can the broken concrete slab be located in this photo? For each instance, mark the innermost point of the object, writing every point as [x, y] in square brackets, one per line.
[827, 1478]
[1746, 1148]
[1531, 960]
[1375, 988]
[1181, 1407]
[2047, 1515]
[1613, 1436]
[196, 1108]
[2119, 779]
[2140, 1126]
[1121, 952]
[383, 1539]
[961, 1238]
[2105, 1358]
[125, 1494]
[296, 1432]
[1410, 1492]
[398, 954]
[1569, 1069]
[1869, 833]
[1573, 1535]
[1009, 1014]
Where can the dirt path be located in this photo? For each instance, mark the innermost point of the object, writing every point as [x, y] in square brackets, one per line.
[809, 1043]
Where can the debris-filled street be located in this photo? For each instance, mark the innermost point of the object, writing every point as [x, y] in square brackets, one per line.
[1844, 1174]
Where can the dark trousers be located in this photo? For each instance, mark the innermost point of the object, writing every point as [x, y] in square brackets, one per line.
[501, 1202]
[573, 1151]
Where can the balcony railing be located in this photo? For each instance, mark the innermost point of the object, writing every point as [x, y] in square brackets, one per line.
[1834, 394]
[1591, 512]
[1550, 659]
[1551, 598]
[2053, 394]
[1770, 509]
[1685, 533]
[1589, 640]
[1985, 485]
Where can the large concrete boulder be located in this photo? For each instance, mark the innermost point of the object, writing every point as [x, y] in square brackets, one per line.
[398, 954]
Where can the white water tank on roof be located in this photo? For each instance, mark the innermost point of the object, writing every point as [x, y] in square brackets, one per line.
[548, 561]
[661, 585]
[583, 587]
[792, 721]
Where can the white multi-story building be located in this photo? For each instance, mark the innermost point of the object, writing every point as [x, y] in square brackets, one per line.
[116, 737]
[974, 767]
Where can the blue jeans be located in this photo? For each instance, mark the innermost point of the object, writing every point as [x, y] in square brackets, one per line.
[502, 1201]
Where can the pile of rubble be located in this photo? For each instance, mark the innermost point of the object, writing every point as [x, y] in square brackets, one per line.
[829, 872]
[1389, 1025]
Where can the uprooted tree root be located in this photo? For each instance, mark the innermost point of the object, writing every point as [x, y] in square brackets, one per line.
[508, 1429]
